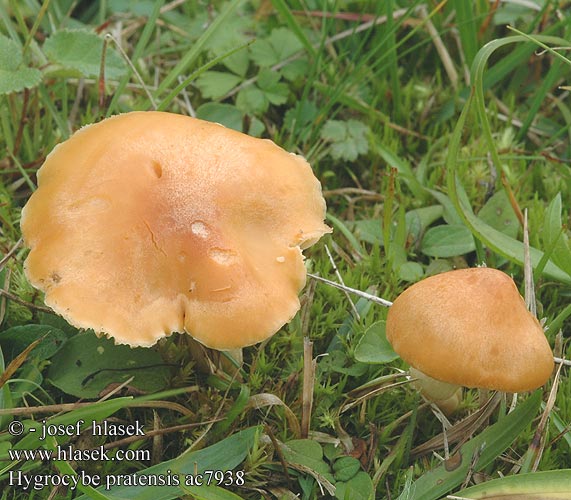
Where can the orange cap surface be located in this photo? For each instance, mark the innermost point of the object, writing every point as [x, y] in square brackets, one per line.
[149, 223]
[470, 327]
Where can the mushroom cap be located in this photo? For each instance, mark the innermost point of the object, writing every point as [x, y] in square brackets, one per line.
[470, 327]
[148, 223]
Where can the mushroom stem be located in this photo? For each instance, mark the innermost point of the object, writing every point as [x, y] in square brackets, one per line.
[444, 395]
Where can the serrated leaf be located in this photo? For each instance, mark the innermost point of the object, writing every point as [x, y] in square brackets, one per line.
[448, 240]
[81, 51]
[334, 130]
[215, 84]
[374, 346]
[348, 138]
[281, 44]
[262, 53]
[252, 100]
[226, 114]
[295, 69]
[15, 77]
[10, 54]
[20, 79]
[269, 82]
[238, 62]
[86, 365]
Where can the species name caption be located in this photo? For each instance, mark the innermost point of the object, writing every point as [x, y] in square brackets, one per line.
[36, 482]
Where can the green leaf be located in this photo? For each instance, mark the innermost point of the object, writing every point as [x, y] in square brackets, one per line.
[498, 213]
[224, 455]
[554, 235]
[210, 492]
[226, 114]
[374, 346]
[368, 230]
[410, 271]
[15, 77]
[81, 51]
[448, 241]
[215, 84]
[553, 484]
[262, 53]
[86, 365]
[344, 468]
[348, 138]
[10, 54]
[281, 44]
[489, 444]
[274, 91]
[308, 453]
[419, 219]
[359, 487]
[252, 100]
[16, 339]
[239, 61]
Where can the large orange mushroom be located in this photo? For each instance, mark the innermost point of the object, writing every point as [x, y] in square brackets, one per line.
[150, 223]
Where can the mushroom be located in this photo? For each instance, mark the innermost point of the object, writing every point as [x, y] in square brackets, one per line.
[471, 328]
[149, 223]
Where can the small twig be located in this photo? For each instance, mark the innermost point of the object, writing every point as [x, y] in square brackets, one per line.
[562, 361]
[365, 295]
[12, 251]
[15, 298]
[538, 442]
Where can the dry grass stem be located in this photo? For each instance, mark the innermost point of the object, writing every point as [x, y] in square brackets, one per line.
[309, 365]
[445, 58]
[528, 270]
[365, 295]
[538, 442]
[15, 298]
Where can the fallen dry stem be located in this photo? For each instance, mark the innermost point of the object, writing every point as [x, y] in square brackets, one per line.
[308, 383]
[365, 295]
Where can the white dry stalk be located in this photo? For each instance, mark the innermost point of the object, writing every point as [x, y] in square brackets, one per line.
[528, 270]
[440, 47]
[360, 293]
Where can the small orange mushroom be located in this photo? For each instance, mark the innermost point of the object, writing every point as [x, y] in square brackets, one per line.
[469, 327]
[150, 223]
